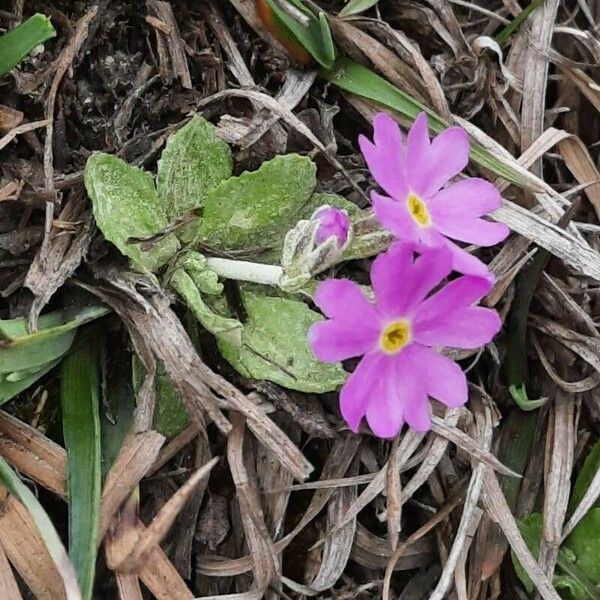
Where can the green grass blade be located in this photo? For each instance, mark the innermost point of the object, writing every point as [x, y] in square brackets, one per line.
[355, 7]
[20, 41]
[357, 79]
[517, 21]
[116, 420]
[80, 392]
[315, 36]
[53, 542]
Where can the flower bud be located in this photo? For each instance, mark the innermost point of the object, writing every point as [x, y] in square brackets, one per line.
[334, 222]
[313, 246]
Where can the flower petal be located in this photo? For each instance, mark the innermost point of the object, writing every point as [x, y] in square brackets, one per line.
[448, 156]
[344, 300]
[460, 293]
[472, 197]
[444, 379]
[463, 328]
[384, 155]
[359, 390]
[385, 411]
[417, 149]
[466, 263]
[427, 271]
[335, 340]
[389, 273]
[393, 215]
[472, 231]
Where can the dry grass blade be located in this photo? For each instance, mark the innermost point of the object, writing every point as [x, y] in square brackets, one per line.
[337, 548]
[469, 445]
[8, 584]
[442, 514]
[33, 454]
[128, 587]
[585, 346]
[394, 495]
[470, 510]
[499, 511]
[536, 67]
[577, 158]
[551, 237]
[26, 550]
[137, 456]
[260, 544]
[557, 477]
[24, 128]
[340, 457]
[162, 522]
[157, 573]
[408, 445]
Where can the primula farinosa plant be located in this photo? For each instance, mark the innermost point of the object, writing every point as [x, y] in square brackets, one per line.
[288, 233]
[398, 334]
[418, 208]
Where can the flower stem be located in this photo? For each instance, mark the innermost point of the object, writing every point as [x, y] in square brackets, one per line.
[245, 271]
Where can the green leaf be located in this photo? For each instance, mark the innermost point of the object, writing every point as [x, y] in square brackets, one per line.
[80, 393]
[170, 416]
[257, 208]
[194, 161]
[531, 530]
[584, 541]
[573, 574]
[590, 467]
[55, 547]
[117, 417]
[357, 79]
[355, 7]
[314, 36]
[24, 357]
[224, 327]
[126, 205]
[275, 346]
[20, 41]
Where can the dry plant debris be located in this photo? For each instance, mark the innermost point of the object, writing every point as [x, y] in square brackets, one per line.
[215, 483]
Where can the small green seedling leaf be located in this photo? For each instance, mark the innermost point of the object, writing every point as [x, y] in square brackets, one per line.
[357, 79]
[519, 395]
[355, 7]
[80, 399]
[20, 41]
[194, 161]
[314, 36]
[126, 205]
[275, 346]
[257, 208]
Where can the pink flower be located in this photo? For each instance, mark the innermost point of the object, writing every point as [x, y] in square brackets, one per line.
[334, 222]
[419, 209]
[396, 336]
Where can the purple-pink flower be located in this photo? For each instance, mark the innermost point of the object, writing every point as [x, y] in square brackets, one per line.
[398, 336]
[333, 222]
[418, 208]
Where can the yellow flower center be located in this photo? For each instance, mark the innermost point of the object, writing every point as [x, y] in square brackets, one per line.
[395, 336]
[418, 210]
